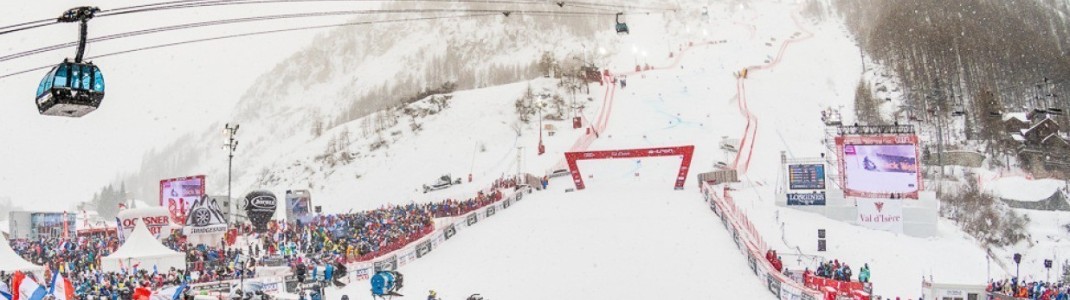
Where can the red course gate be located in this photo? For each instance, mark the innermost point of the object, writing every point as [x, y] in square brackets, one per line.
[684, 151]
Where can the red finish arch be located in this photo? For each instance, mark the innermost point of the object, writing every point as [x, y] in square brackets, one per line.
[685, 163]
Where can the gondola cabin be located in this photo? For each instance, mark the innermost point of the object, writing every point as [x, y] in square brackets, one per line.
[70, 90]
[622, 28]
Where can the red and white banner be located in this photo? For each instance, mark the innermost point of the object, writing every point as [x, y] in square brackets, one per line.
[179, 194]
[157, 219]
[880, 214]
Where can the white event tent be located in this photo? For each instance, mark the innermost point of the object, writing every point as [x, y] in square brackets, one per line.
[143, 250]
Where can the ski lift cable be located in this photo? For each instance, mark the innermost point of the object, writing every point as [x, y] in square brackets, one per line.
[256, 33]
[179, 4]
[209, 3]
[267, 18]
[52, 21]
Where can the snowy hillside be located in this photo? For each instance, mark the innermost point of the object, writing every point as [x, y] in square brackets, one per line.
[351, 72]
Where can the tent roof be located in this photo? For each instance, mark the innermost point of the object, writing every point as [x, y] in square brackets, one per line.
[141, 243]
[11, 261]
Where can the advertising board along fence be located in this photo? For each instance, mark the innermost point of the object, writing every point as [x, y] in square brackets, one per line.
[447, 229]
[750, 243]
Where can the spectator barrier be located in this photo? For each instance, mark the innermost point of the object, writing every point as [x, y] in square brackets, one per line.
[448, 228]
[749, 242]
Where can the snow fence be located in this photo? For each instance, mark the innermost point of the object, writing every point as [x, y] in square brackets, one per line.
[753, 246]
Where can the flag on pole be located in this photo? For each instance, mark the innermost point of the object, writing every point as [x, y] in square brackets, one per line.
[66, 226]
[61, 288]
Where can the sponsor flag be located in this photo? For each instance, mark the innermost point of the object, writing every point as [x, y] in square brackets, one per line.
[119, 229]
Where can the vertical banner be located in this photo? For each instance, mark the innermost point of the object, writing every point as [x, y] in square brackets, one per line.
[298, 206]
[880, 214]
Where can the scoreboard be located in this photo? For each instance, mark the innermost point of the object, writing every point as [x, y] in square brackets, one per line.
[806, 177]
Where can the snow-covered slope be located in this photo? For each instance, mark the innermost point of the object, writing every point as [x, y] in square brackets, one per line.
[627, 239]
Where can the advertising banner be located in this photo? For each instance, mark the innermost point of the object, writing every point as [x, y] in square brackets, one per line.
[773, 284]
[806, 177]
[506, 203]
[205, 221]
[260, 207]
[490, 210]
[362, 273]
[423, 248]
[437, 240]
[803, 199]
[299, 206]
[788, 292]
[405, 258]
[449, 232]
[388, 264]
[752, 262]
[881, 214]
[519, 194]
[179, 194]
[472, 219]
[158, 220]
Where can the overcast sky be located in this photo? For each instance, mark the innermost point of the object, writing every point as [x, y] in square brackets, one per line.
[152, 97]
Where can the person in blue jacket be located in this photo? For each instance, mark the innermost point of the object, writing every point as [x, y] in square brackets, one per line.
[328, 273]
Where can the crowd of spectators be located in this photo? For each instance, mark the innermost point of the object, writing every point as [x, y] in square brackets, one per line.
[775, 260]
[325, 240]
[835, 270]
[1036, 290]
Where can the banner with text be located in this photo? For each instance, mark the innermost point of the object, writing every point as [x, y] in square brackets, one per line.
[881, 214]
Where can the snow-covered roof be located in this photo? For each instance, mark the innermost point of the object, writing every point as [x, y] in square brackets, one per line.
[1017, 137]
[1024, 189]
[1056, 136]
[1046, 118]
[1021, 116]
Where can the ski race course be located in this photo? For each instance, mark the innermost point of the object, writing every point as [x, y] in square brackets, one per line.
[744, 89]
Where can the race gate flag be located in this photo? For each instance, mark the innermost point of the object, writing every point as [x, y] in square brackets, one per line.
[23, 288]
[61, 288]
[881, 214]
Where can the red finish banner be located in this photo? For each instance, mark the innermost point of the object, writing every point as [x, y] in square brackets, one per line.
[685, 163]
